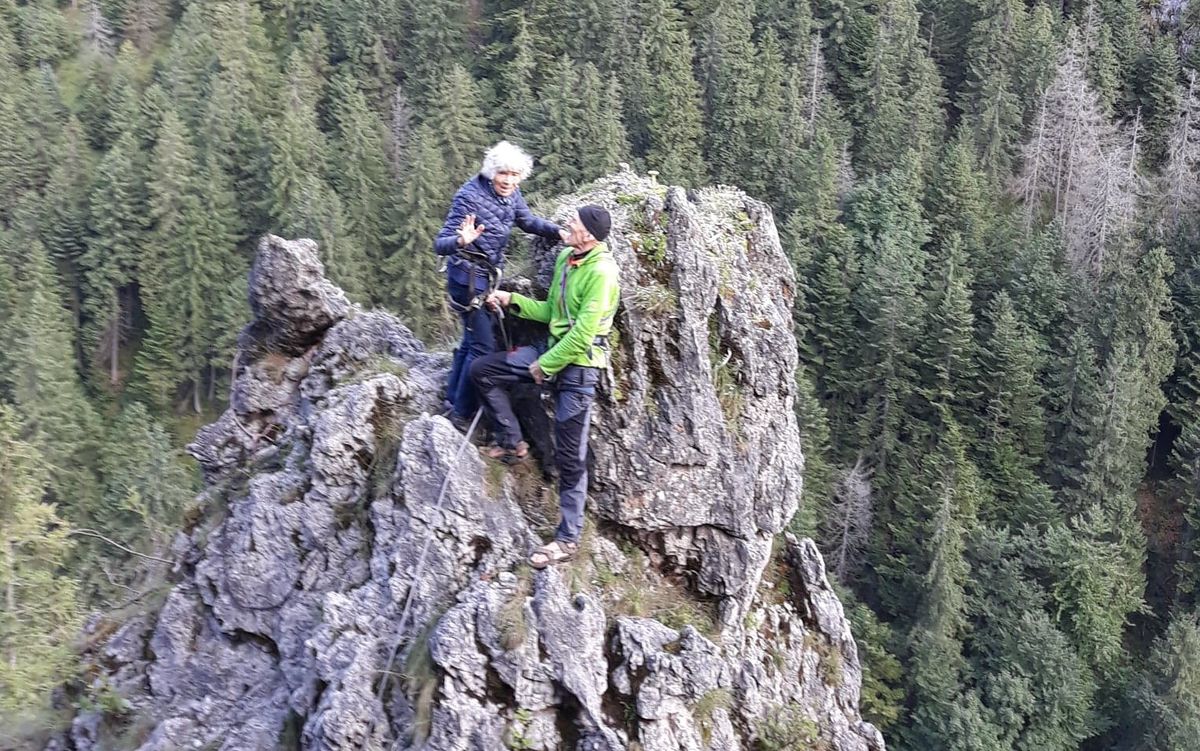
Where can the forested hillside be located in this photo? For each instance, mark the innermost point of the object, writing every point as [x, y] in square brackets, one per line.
[993, 209]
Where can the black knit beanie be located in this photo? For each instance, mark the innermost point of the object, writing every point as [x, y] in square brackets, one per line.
[596, 219]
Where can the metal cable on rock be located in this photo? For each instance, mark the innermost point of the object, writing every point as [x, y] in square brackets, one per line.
[404, 613]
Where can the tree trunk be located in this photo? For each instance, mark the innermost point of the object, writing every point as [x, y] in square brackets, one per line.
[196, 386]
[10, 601]
[115, 333]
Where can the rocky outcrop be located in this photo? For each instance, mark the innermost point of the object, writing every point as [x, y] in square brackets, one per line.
[354, 574]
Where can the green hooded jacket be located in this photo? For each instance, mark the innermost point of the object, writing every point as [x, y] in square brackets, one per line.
[592, 293]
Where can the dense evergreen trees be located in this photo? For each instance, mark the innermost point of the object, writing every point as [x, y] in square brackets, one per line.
[991, 207]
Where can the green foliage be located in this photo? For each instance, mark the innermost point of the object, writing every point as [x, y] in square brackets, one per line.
[40, 614]
[882, 691]
[662, 97]
[788, 729]
[118, 235]
[55, 415]
[988, 333]
[1164, 698]
[191, 273]
[411, 283]
[146, 483]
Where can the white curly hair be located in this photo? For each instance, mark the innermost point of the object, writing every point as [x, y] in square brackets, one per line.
[506, 156]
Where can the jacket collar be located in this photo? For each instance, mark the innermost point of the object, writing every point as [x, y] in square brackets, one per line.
[591, 256]
[486, 185]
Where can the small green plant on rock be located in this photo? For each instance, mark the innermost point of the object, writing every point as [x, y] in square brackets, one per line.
[654, 299]
[511, 618]
[786, 729]
[421, 680]
[515, 737]
[105, 698]
[716, 699]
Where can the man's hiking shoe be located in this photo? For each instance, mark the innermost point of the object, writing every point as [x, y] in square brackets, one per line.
[553, 553]
[508, 455]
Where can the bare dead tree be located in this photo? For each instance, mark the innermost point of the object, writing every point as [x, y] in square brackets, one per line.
[1080, 166]
[97, 31]
[849, 522]
[816, 77]
[1179, 184]
[400, 130]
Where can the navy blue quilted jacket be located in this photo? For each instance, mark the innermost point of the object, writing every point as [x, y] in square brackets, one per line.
[497, 215]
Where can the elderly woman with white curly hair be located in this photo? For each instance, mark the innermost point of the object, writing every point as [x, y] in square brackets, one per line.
[474, 237]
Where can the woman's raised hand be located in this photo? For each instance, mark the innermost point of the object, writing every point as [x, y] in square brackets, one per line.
[469, 231]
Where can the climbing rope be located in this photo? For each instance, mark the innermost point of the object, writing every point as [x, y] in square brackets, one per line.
[420, 568]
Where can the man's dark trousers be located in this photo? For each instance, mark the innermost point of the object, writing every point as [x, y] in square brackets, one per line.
[479, 339]
[575, 390]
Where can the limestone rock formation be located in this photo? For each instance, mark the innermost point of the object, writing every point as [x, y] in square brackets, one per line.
[353, 577]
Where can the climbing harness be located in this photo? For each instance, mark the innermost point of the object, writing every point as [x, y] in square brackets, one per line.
[420, 567]
[494, 273]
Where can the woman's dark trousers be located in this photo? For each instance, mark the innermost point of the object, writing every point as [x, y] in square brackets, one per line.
[479, 339]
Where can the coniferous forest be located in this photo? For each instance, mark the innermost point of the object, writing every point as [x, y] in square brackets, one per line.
[993, 210]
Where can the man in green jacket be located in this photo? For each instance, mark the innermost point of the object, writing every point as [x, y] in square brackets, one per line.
[579, 311]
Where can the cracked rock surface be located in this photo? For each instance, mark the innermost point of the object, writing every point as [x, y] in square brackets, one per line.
[354, 576]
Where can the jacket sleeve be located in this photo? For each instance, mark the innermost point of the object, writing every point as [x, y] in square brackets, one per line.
[527, 307]
[446, 242]
[534, 225]
[602, 294]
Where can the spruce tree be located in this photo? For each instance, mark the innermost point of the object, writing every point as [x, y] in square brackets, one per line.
[123, 96]
[1167, 693]
[1012, 429]
[1097, 584]
[1158, 99]
[302, 202]
[40, 616]
[662, 98]
[146, 485]
[186, 280]
[57, 418]
[832, 348]
[948, 713]
[461, 133]
[412, 284]
[516, 110]
[1035, 59]
[792, 22]
[16, 151]
[947, 349]
[117, 207]
[727, 62]
[44, 116]
[884, 216]
[43, 32]
[767, 131]
[957, 204]
[362, 179]
[1038, 689]
[560, 135]
[65, 205]
[989, 100]
[898, 109]
[434, 41]
[1179, 185]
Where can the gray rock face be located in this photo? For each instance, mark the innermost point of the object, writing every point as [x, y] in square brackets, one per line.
[697, 446]
[356, 578]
